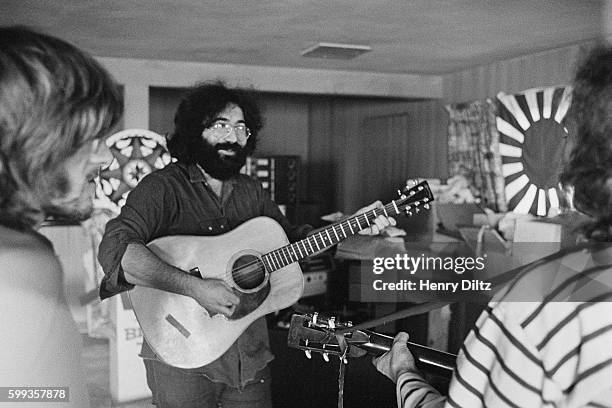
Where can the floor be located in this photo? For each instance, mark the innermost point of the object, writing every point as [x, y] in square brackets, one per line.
[298, 382]
[96, 362]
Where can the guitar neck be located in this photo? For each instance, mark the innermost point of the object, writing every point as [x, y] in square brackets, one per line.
[325, 238]
[427, 358]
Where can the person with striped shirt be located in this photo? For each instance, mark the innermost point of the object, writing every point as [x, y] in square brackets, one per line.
[546, 338]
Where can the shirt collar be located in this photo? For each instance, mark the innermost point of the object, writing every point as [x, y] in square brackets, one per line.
[195, 174]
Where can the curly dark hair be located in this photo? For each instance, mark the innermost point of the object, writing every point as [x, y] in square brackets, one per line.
[54, 98]
[589, 169]
[197, 110]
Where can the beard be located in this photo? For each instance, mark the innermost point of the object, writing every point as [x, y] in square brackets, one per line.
[64, 204]
[220, 166]
[77, 210]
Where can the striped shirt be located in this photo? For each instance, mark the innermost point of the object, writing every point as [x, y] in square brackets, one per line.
[544, 341]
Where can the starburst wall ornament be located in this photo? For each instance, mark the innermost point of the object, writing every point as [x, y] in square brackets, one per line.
[136, 153]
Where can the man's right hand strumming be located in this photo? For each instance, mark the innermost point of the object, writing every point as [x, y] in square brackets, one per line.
[143, 267]
[215, 296]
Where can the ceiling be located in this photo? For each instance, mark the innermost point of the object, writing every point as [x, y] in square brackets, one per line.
[406, 36]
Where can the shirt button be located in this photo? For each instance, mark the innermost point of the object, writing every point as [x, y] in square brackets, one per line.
[222, 227]
[210, 228]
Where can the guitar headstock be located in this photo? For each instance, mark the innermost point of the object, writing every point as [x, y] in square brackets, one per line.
[325, 335]
[318, 333]
[414, 196]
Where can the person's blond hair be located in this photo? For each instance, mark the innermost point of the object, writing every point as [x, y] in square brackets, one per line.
[53, 99]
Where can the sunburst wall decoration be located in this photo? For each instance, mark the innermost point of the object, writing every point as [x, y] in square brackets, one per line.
[533, 141]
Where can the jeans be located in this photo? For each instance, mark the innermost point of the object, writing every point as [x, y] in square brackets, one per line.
[176, 388]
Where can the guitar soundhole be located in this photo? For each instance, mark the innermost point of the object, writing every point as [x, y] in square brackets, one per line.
[248, 272]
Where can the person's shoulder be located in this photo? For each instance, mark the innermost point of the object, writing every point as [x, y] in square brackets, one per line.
[26, 258]
[246, 179]
[23, 243]
[250, 186]
[172, 170]
[166, 176]
[546, 276]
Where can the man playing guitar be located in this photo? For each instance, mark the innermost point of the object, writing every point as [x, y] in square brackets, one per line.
[202, 194]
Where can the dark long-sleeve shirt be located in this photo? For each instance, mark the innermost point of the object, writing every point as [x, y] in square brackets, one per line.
[177, 200]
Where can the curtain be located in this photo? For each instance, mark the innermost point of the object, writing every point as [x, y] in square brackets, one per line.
[473, 150]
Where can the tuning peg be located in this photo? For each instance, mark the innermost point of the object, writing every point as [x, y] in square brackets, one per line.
[344, 360]
[308, 354]
[427, 206]
[416, 210]
[399, 192]
[411, 183]
[332, 322]
[315, 316]
[326, 357]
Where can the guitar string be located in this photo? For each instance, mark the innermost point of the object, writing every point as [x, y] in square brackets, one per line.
[390, 206]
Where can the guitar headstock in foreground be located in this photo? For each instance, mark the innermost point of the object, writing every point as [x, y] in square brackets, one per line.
[325, 335]
[314, 332]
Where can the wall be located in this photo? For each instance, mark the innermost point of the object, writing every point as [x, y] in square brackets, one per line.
[339, 143]
[548, 68]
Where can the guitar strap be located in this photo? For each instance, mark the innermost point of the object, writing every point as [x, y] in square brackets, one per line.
[341, 372]
[342, 368]
[497, 283]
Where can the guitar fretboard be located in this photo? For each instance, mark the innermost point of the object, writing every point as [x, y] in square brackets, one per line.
[330, 236]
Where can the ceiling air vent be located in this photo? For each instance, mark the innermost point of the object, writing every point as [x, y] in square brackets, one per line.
[335, 51]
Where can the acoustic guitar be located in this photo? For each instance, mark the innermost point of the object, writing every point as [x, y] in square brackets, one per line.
[257, 261]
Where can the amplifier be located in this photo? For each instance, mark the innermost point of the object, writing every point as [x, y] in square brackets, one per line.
[279, 176]
[315, 283]
[316, 269]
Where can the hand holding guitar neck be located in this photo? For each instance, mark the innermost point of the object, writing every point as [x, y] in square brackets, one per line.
[379, 223]
[398, 360]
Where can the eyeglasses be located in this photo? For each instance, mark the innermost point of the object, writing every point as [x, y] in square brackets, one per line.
[222, 130]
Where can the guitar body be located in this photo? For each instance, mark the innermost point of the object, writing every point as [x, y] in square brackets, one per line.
[180, 331]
